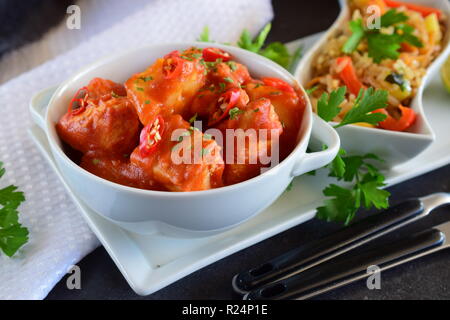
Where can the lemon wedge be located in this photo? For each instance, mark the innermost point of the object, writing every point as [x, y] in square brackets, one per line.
[445, 74]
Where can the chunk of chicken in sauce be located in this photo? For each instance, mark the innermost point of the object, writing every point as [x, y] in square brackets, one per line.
[253, 144]
[289, 106]
[100, 120]
[119, 170]
[184, 159]
[212, 104]
[168, 86]
[228, 74]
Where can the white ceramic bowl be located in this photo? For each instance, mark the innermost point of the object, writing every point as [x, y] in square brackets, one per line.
[176, 213]
[394, 147]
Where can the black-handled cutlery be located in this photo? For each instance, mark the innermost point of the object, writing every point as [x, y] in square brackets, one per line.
[326, 264]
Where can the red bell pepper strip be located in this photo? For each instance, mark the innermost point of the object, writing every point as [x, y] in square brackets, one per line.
[278, 83]
[151, 136]
[406, 120]
[225, 103]
[212, 54]
[348, 75]
[425, 11]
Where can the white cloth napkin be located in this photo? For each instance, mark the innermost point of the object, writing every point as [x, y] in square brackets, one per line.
[59, 237]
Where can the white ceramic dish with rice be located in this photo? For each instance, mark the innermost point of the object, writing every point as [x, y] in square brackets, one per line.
[394, 147]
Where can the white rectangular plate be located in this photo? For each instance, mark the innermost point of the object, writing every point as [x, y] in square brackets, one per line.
[150, 263]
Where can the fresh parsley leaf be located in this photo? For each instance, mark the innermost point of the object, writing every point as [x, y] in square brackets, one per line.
[340, 208]
[12, 234]
[12, 239]
[367, 101]
[382, 45]
[366, 189]
[372, 195]
[392, 17]
[337, 166]
[295, 58]
[406, 35]
[358, 33]
[328, 105]
[204, 36]
[246, 42]
[276, 51]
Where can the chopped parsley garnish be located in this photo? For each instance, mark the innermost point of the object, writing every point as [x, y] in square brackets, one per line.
[147, 101]
[382, 45]
[114, 95]
[193, 118]
[186, 58]
[228, 79]
[235, 112]
[275, 93]
[12, 234]
[222, 86]
[232, 65]
[139, 89]
[311, 90]
[95, 161]
[145, 79]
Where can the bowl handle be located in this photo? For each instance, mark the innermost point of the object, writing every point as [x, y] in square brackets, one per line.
[38, 105]
[323, 134]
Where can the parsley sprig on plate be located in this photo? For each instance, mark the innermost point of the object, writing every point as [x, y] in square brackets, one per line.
[275, 51]
[367, 101]
[12, 234]
[382, 44]
[365, 181]
[365, 190]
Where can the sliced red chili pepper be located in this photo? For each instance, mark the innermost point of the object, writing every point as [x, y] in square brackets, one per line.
[212, 54]
[278, 83]
[225, 103]
[407, 118]
[151, 136]
[173, 65]
[79, 101]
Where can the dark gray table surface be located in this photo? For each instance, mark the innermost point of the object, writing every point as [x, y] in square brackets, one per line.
[428, 278]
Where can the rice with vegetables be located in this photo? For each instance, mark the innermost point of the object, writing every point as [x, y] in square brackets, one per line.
[393, 57]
